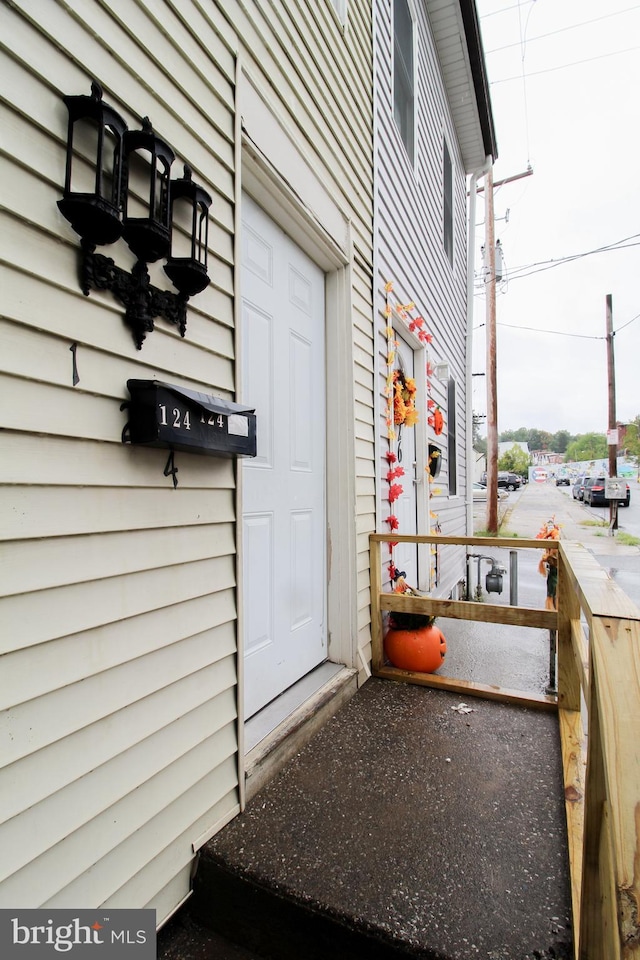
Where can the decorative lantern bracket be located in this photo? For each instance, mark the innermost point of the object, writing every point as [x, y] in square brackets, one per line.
[142, 301]
[98, 136]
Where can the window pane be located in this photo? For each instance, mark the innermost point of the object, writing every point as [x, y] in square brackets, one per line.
[452, 446]
[341, 9]
[403, 78]
[447, 187]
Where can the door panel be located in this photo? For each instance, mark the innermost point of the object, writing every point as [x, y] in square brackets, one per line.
[284, 526]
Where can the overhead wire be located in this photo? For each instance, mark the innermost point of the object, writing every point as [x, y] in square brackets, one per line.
[523, 52]
[553, 33]
[494, 13]
[516, 273]
[560, 333]
[637, 317]
[565, 66]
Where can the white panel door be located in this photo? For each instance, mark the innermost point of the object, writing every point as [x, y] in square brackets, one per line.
[283, 522]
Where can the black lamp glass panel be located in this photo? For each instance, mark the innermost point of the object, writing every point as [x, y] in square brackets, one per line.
[190, 205]
[92, 191]
[147, 221]
[201, 234]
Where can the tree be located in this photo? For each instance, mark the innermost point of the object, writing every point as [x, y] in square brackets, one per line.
[521, 434]
[588, 446]
[539, 440]
[515, 460]
[479, 443]
[560, 441]
[631, 440]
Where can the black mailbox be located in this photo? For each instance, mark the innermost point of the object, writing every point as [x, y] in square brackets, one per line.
[164, 415]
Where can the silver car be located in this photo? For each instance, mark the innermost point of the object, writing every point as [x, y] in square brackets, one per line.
[480, 493]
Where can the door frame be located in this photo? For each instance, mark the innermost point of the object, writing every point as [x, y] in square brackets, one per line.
[423, 521]
[260, 179]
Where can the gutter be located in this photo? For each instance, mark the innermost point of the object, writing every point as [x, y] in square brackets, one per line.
[475, 50]
[471, 244]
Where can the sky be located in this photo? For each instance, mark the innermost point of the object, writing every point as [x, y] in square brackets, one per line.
[565, 90]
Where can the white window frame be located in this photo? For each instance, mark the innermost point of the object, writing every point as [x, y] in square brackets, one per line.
[340, 7]
[448, 209]
[452, 438]
[408, 74]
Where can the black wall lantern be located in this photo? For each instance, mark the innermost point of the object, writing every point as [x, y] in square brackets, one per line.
[126, 191]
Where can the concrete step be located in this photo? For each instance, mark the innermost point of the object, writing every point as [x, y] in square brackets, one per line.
[182, 938]
[403, 829]
[278, 925]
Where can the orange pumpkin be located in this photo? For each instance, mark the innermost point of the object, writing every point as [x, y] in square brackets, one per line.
[422, 649]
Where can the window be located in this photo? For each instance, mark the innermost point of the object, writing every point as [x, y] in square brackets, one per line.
[447, 187]
[341, 10]
[403, 73]
[452, 446]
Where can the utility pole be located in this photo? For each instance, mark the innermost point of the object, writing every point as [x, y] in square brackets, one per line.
[516, 176]
[492, 392]
[613, 426]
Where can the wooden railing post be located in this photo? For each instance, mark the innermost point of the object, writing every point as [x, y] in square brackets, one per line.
[568, 614]
[375, 568]
[603, 804]
[588, 924]
[610, 913]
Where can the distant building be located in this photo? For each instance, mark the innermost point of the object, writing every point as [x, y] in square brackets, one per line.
[479, 464]
[539, 457]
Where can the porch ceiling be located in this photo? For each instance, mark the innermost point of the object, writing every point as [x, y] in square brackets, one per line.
[453, 22]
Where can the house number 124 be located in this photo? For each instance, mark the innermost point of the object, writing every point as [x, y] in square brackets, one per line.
[182, 419]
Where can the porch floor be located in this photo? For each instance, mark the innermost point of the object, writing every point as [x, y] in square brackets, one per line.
[404, 828]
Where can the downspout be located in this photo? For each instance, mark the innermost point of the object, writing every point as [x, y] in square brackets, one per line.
[471, 243]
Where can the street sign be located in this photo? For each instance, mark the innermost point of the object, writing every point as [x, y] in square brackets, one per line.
[615, 488]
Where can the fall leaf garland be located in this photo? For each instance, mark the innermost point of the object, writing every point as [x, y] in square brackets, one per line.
[400, 394]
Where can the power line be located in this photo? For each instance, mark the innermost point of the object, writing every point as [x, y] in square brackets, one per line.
[523, 50]
[637, 317]
[485, 16]
[553, 33]
[564, 66]
[517, 272]
[558, 263]
[560, 333]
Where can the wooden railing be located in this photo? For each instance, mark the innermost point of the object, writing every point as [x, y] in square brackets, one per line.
[598, 703]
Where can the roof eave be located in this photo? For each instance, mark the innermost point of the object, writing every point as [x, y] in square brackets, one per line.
[456, 32]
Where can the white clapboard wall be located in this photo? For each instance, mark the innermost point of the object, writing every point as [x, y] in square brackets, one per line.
[118, 678]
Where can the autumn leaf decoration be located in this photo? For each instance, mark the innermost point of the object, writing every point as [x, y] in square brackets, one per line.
[401, 395]
[436, 420]
[404, 400]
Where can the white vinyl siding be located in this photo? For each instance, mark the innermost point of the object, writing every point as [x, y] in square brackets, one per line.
[118, 692]
[118, 619]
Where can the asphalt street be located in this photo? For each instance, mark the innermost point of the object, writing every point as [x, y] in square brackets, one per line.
[518, 657]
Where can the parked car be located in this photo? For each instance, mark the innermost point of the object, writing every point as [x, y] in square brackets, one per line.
[562, 480]
[510, 481]
[506, 480]
[594, 493]
[578, 488]
[480, 492]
